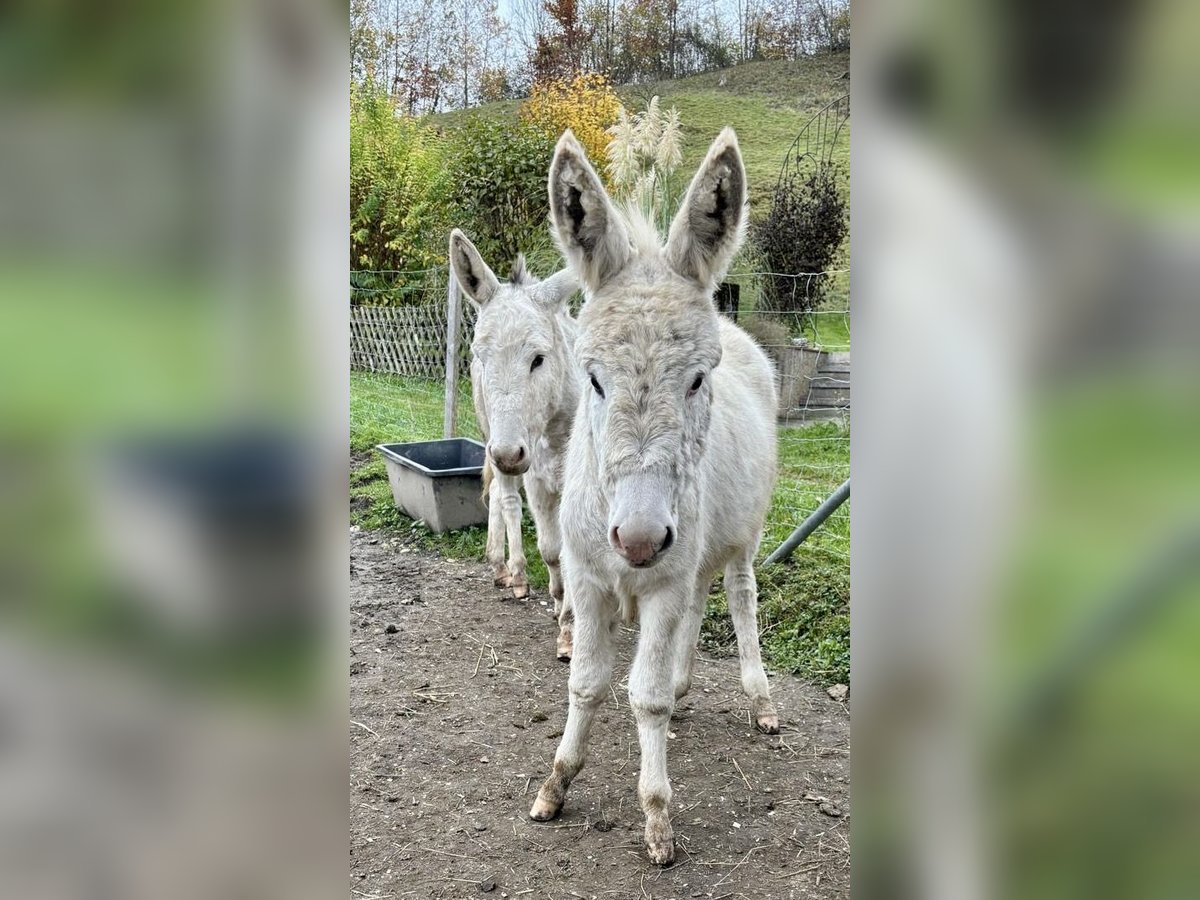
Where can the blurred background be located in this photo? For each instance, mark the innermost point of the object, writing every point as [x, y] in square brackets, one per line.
[172, 449]
[1026, 543]
[173, 358]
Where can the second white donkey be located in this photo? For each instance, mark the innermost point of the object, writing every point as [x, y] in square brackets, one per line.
[671, 462]
[525, 389]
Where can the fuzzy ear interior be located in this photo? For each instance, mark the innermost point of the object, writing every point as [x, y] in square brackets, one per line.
[585, 224]
[476, 279]
[711, 222]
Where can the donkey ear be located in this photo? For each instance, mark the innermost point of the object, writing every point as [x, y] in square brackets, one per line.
[586, 225]
[478, 282]
[711, 222]
[558, 287]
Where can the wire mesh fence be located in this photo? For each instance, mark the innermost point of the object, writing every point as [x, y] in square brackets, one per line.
[399, 378]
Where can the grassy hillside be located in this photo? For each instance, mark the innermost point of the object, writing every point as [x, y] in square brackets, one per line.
[766, 102]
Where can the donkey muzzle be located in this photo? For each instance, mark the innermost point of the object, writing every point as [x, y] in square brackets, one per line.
[511, 459]
[641, 528]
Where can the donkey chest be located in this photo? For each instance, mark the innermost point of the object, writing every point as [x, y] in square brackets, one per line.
[547, 467]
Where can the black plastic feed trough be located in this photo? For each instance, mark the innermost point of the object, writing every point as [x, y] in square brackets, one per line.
[438, 482]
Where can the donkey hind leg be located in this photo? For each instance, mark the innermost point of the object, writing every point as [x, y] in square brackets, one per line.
[510, 509]
[566, 627]
[495, 535]
[742, 591]
[591, 673]
[687, 636]
[544, 505]
[651, 695]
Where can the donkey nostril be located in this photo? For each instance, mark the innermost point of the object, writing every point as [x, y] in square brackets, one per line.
[520, 453]
[614, 537]
[668, 540]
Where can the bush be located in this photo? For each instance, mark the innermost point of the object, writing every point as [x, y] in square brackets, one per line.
[801, 235]
[398, 187]
[586, 104]
[499, 196]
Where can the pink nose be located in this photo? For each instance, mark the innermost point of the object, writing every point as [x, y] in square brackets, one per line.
[639, 545]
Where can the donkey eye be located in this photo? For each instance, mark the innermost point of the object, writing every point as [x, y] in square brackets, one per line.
[696, 384]
[596, 386]
[537, 362]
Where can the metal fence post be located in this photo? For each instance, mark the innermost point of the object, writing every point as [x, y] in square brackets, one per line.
[809, 525]
[453, 302]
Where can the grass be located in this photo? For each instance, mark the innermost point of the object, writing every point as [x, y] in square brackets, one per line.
[766, 103]
[804, 611]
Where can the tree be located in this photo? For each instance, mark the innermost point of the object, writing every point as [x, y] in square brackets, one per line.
[364, 42]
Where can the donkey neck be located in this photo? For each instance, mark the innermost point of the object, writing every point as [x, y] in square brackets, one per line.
[557, 430]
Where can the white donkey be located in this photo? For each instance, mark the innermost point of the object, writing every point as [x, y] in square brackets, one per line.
[526, 389]
[671, 461]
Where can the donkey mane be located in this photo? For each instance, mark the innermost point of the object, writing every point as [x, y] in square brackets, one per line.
[520, 275]
[643, 232]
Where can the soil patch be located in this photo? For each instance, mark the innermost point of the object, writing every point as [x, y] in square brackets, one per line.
[456, 704]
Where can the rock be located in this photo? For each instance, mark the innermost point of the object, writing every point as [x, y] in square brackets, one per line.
[830, 809]
[391, 628]
[479, 826]
[538, 716]
[487, 885]
[838, 692]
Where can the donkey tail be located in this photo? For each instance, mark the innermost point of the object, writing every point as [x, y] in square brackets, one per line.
[488, 475]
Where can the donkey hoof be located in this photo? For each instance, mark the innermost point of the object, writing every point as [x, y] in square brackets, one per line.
[544, 810]
[502, 578]
[765, 717]
[520, 591]
[660, 844]
[565, 645]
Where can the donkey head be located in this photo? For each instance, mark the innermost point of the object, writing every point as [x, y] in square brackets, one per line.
[522, 359]
[648, 339]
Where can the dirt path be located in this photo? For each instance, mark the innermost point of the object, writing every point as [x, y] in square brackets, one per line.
[457, 702]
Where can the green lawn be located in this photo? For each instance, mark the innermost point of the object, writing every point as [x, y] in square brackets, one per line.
[804, 609]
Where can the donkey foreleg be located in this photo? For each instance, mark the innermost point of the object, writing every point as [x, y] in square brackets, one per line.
[510, 511]
[742, 592]
[687, 635]
[544, 504]
[652, 697]
[591, 673]
[495, 533]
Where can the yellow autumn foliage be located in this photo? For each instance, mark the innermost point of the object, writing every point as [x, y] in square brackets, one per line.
[587, 104]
